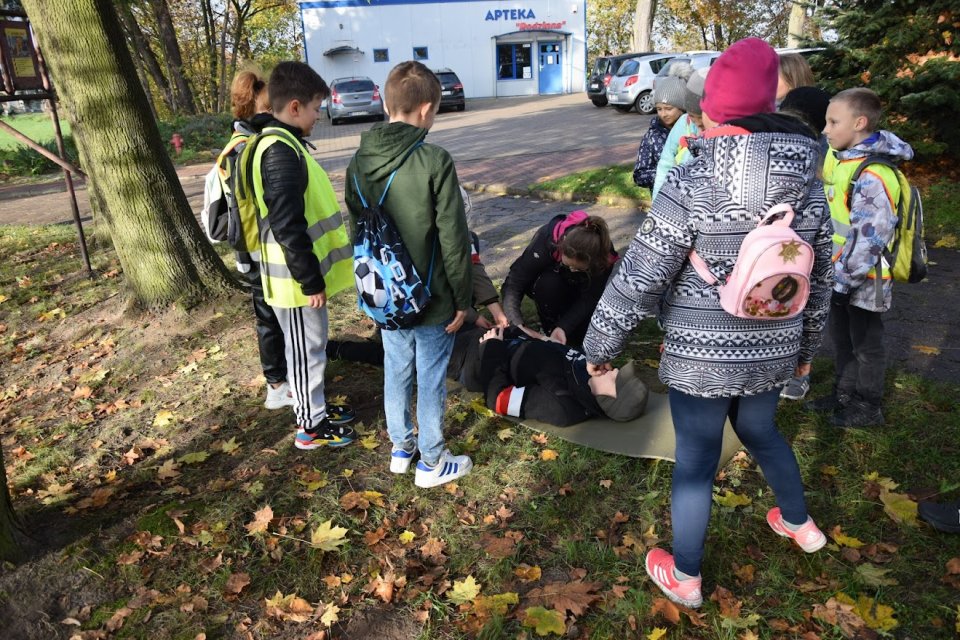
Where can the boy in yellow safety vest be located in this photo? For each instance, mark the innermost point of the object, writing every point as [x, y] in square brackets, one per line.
[305, 254]
[864, 219]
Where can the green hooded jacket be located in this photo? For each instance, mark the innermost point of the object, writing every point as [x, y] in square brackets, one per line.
[425, 203]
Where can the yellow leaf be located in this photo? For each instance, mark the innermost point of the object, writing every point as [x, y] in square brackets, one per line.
[465, 590]
[544, 621]
[927, 350]
[495, 605]
[407, 537]
[290, 607]
[883, 481]
[505, 434]
[877, 616]
[230, 445]
[657, 633]
[829, 470]
[327, 537]
[548, 454]
[330, 615]
[650, 362]
[194, 457]
[163, 418]
[844, 540]
[957, 626]
[347, 473]
[188, 368]
[731, 500]
[899, 507]
[528, 573]
[370, 442]
[4, 298]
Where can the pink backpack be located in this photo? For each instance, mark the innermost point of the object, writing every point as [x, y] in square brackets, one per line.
[771, 278]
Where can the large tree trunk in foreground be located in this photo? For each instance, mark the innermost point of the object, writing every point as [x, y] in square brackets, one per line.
[9, 525]
[165, 256]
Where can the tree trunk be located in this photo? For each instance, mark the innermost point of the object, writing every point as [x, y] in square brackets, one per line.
[145, 53]
[643, 24]
[796, 26]
[165, 257]
[9, 524]
[210, 33]
[171, 53]
[222, 98]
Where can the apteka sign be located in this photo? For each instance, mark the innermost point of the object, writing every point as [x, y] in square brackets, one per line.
[510, 14]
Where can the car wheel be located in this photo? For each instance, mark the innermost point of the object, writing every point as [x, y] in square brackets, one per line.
[644, 103]
[461, 107]
[334, 121]
[599, 102]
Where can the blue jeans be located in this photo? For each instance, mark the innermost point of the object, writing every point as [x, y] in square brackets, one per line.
[698, 424]
[426, 349]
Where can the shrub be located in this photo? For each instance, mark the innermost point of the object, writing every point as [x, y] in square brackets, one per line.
[24, 161]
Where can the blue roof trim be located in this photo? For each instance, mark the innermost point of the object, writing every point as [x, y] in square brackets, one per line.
[333, 4]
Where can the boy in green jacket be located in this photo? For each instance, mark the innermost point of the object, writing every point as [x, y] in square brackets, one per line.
[425, 204]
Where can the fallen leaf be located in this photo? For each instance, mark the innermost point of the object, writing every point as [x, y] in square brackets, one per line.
[728, 603]
[874, 576]
[731, 500]
[464, 590]
[544, 621]
[606, 484]
[290, 607]
[486, 606]
[370, 442]
[844, 540]
[527, 573]
[667, 609]
[548, 454]
[194, 457]
[329, 616]
[118, 618]
[875, 615]
[926, 350]
[163, 418]
[327, 537]
[370, 538]
[574, 596]
[168, 470]
[261, 520]
[505, 434]
[433, 549]
[230, 446]
[899, 507]
[657, 633]
[407, 537]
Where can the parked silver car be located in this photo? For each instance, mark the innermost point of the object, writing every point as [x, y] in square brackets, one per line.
[697, 60]
[632, 86]
[355, 97]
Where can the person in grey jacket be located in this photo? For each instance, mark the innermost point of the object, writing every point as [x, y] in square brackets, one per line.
[716, 364]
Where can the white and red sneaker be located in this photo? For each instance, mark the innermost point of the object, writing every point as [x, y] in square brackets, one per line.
[660, 567]
[808, 537]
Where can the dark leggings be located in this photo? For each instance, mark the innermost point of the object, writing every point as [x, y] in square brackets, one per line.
[269, 335]
[698, 424]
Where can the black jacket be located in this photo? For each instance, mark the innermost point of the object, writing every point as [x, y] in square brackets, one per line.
[284, 183]
[550, 379]
[539, 257]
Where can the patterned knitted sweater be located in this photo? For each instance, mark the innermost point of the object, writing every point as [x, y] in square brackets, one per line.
[710, 204]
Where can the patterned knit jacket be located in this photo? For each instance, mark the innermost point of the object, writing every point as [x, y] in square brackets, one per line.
[710, 204]
[648, 155]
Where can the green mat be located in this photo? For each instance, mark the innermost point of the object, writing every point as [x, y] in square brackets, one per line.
[649, 436]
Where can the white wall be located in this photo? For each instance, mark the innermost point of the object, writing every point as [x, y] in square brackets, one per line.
[457, 35]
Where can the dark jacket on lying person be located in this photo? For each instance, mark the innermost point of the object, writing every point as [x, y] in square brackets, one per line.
[523, 377]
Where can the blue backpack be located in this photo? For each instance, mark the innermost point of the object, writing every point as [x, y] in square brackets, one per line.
[389, 289]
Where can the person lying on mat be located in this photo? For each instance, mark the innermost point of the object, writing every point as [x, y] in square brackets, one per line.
[525, 377]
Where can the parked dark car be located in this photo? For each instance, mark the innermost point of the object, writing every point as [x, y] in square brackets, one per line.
[603, 70]
[451, 90]
[355, 97]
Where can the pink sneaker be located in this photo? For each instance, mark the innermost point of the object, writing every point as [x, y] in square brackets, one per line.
[808, 537]
[660, 566]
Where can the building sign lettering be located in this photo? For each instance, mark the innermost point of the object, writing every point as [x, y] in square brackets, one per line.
[510, 14]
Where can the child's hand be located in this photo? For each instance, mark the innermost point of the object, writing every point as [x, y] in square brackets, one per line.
[533, 334]
[317, 300]
[559, 335]
[457, 321]
[483, 323]
[499, 317]
[496, 333]
[598, 369]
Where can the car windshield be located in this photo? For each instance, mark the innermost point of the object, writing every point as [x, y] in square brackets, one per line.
[447, 78]
[354, 86]
[628, 68]
[665, 70]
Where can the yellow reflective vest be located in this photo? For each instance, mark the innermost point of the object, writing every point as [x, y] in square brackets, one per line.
[836, 183]
[325, 227]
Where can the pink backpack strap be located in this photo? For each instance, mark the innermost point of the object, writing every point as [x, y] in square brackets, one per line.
[700, 266]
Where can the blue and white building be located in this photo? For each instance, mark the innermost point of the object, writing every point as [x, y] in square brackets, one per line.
[515, 48]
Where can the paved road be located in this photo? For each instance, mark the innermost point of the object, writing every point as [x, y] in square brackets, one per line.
[519, 141]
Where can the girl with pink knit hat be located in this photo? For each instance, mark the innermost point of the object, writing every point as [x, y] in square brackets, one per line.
[717, 365]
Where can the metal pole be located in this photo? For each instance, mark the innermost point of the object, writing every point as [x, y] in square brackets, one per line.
[68, 177]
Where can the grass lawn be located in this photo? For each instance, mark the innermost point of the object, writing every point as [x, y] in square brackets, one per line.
[614, 180]
[36, 126]
[168, 503]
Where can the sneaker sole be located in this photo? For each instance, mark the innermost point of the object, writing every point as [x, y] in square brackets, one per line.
[692, 604]
[819, 544]
[340, 421]
[400, 466]
[320, 445]
[277, 405]
[436, 482]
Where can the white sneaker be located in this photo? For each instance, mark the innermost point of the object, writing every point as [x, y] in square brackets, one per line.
[400, 460]
[279, 397]
[447, 469]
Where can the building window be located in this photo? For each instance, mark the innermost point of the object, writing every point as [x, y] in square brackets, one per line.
[420, 53]
[513, 62]
[381, 55]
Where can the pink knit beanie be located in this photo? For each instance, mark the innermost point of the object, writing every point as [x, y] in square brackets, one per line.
[742, 82]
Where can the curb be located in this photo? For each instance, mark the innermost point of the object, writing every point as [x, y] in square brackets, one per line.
[558, 196]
